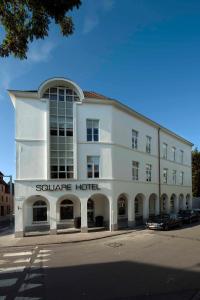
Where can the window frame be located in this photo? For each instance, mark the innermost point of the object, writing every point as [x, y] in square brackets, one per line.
[135, 169]
[93, 166]
[164, 150]
[93, 128]
[165, 175]
[135, 139]
[148, 171]
[148, 144]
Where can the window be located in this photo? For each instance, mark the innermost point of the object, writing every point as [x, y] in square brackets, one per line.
[66, 210]
[174, 176]
[173, 153]
[148, 144]
[135, 170]
[39, 211]
[93, 166]
[92, 130]
[164, 150]
[134, 139]
[165, 173]
[181, 177]
[181, 156]
[61, 131]
[148, 172]
[122, 206]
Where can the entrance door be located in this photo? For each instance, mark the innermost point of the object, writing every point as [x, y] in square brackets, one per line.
[90, 213]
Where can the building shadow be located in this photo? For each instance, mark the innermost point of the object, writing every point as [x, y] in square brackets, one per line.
[123, 280]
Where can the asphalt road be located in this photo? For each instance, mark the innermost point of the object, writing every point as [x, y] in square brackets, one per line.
[142, 265]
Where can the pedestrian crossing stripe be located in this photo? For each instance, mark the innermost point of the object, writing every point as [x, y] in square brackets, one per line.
[17, 254]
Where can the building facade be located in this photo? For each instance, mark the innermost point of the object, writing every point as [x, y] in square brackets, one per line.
[6, 200]
[81, 156]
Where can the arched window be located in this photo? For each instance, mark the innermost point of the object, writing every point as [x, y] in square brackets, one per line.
[40, 211]
[66, 210]
[122, 206]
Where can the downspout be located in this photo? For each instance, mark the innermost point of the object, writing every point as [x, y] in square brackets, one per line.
[159, 179]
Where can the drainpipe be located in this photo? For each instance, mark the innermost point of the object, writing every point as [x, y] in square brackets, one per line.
[159, 179]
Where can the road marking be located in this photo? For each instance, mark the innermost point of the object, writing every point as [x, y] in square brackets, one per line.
[37, 261]
[28, 286]
[3, 261]
[12, 269]
[8, 282]
[17, 254]
[43, 255]
[44, 250]
[22, 260]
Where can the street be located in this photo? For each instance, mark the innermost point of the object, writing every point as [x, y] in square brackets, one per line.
[140, 265]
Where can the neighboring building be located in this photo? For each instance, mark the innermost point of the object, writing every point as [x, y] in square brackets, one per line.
[82, 154]
[6, 200]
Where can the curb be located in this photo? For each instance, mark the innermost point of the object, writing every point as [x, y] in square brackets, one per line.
[68, 242]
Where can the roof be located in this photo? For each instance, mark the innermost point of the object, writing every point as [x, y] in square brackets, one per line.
[90, 94]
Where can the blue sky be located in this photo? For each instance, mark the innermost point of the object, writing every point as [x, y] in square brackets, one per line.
[145, 53]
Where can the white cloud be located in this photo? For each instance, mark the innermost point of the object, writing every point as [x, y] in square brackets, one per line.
[90, 23]
[94, 12]
[40, 51]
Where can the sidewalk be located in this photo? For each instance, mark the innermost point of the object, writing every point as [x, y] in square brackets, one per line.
[7, 239]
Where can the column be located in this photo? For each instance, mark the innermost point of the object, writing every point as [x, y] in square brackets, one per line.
[19, 216]
[84, 222]
[145, 209]
[113, 214]
[52, 216]
[131, 212]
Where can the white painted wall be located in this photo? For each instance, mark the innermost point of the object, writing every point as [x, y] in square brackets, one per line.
[116, 156]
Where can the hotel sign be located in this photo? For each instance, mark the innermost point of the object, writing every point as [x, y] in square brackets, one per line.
[67, 187]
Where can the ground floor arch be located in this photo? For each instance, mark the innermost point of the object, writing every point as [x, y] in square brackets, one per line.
[98, 211]
[164, 204]
[122, 210]
[181, 202]
[173, 204]
[153, 205]
[36, 213]
[139, 209]
[67, 211]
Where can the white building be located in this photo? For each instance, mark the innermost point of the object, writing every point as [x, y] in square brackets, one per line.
[81, 154]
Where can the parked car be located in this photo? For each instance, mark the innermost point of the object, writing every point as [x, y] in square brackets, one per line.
[164, 222]
[189, 216]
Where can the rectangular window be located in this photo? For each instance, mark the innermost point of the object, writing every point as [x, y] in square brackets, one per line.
[173, 153]
[181, 156]
[165, 173]
[181, 177]
[148, 144]
[135, 170]
[93, 166]
[164, 150]
[148, 172]
[174, 176]
[134, 139]
[92, 130]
